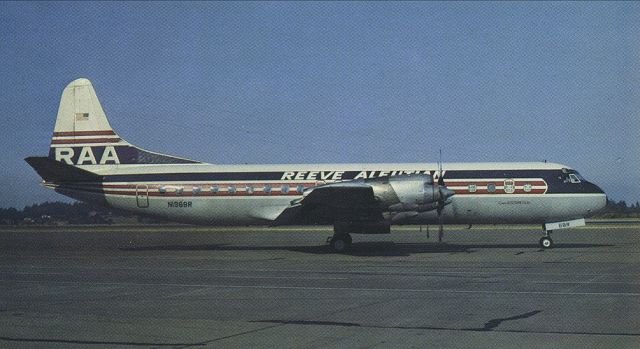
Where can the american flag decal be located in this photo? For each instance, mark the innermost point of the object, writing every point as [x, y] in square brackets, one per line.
[82, 116]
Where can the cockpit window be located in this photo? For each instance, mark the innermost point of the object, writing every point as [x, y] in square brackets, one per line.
[578, 175]
[570, 176]
[574, 178]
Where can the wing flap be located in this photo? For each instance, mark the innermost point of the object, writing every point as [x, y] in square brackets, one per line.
[327, 204]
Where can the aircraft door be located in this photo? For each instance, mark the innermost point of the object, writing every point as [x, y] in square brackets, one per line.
[142, 195]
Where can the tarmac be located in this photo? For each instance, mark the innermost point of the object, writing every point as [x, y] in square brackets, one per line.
[252, 287]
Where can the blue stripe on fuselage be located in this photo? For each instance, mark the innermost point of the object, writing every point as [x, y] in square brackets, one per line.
[556, 179]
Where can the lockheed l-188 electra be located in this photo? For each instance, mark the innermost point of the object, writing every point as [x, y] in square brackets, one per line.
[88, 161]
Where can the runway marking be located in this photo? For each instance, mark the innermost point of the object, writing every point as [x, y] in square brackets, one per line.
[579, 285]
[217, 276]
[90, 342]
[335, 278]
[278, 277]
[408, 290]
[585, 282]
[498, 271]
[30, 273]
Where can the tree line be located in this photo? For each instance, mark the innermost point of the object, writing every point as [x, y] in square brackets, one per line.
[83, 213]
[66, 213]
[620, 209]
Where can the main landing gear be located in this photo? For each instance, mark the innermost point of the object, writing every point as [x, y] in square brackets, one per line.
[340, 243]
[341, 240]
[545, 241]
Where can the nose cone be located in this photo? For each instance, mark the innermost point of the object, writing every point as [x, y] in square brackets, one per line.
[592, 188]
[599, 201]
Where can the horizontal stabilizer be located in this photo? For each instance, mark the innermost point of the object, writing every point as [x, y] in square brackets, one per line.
[56, 171]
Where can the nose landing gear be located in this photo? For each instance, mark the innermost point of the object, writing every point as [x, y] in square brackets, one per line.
[545, 241]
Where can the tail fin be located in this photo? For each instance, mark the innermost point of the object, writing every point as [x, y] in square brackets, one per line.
[83, 136]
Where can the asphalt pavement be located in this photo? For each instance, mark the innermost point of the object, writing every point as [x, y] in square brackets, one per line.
[195, 287]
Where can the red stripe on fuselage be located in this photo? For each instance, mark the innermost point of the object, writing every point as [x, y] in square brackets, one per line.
[500, 191]
[84, 133]
[203, 193]
[484, 182]
[85, 140]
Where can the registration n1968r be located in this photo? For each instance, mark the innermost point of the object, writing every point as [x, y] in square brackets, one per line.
[179, 204]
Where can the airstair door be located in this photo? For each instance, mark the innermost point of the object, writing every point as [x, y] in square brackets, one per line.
[142, 195]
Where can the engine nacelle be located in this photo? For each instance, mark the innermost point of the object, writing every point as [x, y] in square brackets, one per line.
[409, 194]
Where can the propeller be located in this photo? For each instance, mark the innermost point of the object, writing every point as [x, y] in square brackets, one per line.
[444, 195]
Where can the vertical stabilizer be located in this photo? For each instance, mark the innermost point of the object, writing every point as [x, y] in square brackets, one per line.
[81, 119]
[83, 136]
[80, 110]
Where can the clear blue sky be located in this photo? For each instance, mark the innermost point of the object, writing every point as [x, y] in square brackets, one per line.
[332, 82]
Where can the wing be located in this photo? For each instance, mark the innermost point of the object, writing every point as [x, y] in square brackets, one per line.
[337, 202]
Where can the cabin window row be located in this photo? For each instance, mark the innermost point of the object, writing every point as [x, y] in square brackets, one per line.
[231, 189]
[509, 187]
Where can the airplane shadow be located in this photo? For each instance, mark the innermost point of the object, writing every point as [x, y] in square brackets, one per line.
[366, 249]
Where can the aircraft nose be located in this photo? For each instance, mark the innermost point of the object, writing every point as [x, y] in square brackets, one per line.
[599, 201]
[596, 189]
[602, 202]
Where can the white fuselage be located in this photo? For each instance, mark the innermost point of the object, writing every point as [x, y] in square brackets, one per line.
[257, 194]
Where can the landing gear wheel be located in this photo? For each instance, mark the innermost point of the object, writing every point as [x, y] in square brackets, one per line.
[340, 243]
[546, 242]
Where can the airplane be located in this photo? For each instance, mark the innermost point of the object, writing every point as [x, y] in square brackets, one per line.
[88, 161]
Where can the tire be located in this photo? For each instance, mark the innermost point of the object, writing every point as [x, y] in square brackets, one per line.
[546, 242]
[340, 243]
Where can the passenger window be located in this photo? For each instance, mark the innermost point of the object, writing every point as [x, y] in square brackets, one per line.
[473, 188]
[491, 187]
[267, 189]
[249, 189]
[300, 188]
[196, 190]
[285, 189]
[231, 189]
[214, 189]
[171, 189]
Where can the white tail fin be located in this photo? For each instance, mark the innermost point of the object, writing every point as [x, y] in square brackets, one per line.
[83, 136]
[81, 119]
[80, 109]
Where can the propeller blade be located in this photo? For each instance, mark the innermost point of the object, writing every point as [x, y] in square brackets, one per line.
[440, 226]
[440, 220]
[440, 179]
[444, 194]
